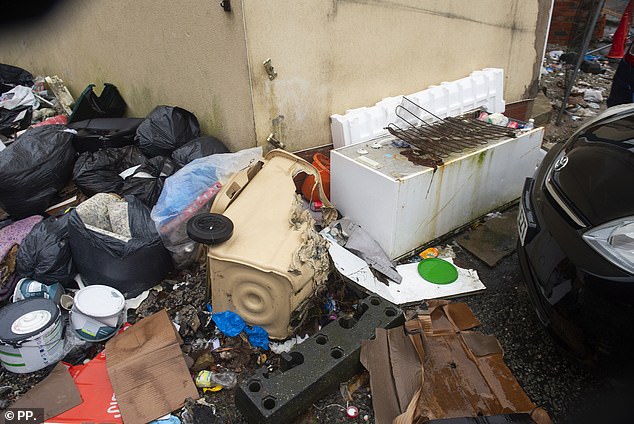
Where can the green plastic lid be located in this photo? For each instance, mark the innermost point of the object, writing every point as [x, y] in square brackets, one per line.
[437, 271]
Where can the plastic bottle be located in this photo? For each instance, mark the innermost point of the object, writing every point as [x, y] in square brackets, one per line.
[529, 125]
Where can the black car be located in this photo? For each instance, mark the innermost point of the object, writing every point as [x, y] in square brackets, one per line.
[576, 236]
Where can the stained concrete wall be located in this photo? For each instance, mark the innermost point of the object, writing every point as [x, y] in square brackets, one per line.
[333, 55]
[330, 55]
[188, 53]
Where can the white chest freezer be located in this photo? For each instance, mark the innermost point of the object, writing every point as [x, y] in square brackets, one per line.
[403, 205]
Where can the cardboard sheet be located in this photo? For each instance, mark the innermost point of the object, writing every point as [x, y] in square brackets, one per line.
[57, 393]
[448, 370]
[494, 240]
[413, 288]
[148, 371]
[99, 405]
[395, 372]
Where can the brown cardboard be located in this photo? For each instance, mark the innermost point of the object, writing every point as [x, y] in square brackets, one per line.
[395, 372]
[148, 371]
[57, 393]
[446, 370]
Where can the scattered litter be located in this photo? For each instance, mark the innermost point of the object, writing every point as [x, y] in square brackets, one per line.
[555, 54]
[18, 97]
[167, 419]
[56, 85]
[281, 347]
[231, 324]
[358, 241]
[595, 96]
[209, 379]
[431, 252]
[413, 287]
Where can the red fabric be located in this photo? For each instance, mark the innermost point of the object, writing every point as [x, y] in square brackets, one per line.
[57, 119]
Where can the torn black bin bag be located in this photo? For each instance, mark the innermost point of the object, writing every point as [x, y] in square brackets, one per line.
[14, 120]
[166, 129]
[131, 266]
[44, 255]
[34, 168]
[109, 104]
[147, 181]
[198, 148]
[100, 133]
[98, 172]
[10, 76]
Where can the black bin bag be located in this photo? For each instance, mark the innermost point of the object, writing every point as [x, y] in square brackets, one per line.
[131, 266]
[34, 168]
[198, 148]
[165, 129]
[100, 133]
[10, 76]
[147, 181]
[98, 172]
[44, 255]
[109, 104]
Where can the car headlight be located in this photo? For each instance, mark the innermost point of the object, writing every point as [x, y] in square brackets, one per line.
[615, 242]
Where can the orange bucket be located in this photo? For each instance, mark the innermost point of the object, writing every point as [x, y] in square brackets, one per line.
[309, 189]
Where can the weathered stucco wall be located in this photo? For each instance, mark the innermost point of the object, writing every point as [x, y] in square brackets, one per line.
[188, 53]
[330, 55]
[333, 55]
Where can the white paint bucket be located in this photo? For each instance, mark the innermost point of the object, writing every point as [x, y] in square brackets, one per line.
[97, 312]
[30, 335]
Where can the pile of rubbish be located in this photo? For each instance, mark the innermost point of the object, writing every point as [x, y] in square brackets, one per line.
[591, 89]
[143, 260]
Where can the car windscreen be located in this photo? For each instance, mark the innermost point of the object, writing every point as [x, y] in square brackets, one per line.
[619, 133]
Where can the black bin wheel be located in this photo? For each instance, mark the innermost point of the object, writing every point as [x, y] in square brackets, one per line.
[210, 228]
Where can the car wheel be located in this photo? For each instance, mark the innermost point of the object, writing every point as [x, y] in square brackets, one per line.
[210, 228]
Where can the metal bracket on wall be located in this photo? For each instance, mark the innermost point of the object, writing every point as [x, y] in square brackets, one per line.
[226, 5]
[270, 70]
[275, 142]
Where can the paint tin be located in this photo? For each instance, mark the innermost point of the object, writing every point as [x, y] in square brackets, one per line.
[30, 335]
[97, 312]
[30, 289]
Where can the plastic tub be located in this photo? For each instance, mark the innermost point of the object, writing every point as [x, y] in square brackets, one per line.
[309, 189]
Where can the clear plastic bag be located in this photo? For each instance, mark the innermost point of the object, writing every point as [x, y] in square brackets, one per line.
[190, 191]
